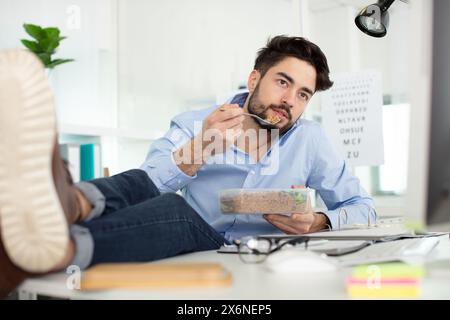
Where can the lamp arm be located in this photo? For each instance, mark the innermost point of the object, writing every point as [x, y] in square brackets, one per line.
[385, 4]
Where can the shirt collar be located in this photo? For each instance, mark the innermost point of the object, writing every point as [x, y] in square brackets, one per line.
[240, 99]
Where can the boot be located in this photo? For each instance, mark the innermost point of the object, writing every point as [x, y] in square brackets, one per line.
[37, 198]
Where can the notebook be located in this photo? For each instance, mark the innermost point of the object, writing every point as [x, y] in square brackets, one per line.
[155, 275]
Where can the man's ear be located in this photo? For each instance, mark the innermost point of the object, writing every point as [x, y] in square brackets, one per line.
[253, 80]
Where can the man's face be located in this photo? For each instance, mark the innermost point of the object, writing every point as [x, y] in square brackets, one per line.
[284, 91]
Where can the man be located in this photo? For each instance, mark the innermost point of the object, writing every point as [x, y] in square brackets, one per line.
[125, 217]
[287, 73]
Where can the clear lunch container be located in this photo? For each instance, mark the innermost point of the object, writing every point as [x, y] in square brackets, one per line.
[282, 201]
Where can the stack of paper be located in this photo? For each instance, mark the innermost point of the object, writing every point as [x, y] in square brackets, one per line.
[365, 233]
[357, 232]
[385, 281]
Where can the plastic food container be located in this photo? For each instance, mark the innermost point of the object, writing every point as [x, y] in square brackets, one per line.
[261, 201]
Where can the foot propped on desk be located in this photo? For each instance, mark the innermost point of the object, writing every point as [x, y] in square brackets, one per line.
[37, 198]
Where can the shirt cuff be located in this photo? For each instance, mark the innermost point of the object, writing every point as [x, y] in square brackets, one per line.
[351, 215]
[84, 246]
[334, 219]
[172, 177]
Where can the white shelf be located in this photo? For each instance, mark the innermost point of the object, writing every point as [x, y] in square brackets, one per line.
[109, 132]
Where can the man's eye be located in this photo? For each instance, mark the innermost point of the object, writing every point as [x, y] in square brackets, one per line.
[283, 83]
[303, 96]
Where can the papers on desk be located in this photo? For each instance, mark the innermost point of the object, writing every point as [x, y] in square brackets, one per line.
[389, 232]
[382, 233]
[345, 240]
[339, 247]
[385, 232]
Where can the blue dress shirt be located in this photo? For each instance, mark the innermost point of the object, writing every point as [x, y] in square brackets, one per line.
[301, 156]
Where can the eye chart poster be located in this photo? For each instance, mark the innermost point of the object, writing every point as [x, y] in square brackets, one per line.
[352, 117]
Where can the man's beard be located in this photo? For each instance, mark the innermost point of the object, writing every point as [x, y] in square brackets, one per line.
[256, 107]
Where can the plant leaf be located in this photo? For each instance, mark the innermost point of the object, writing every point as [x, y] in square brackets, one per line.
[31, 45]
[49, 45]
[52, 32]
[45, 58]
[57, 62]
[35, 31]
[48, 40]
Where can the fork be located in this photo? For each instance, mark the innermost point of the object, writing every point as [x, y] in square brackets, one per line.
[259, 118]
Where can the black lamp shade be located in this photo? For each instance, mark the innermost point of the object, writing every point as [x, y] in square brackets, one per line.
[374, 19]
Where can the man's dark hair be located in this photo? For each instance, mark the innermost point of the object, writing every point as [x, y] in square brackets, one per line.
[281, 47]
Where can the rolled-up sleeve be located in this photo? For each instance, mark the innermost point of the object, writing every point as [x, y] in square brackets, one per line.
[160, 164]
[346, 200]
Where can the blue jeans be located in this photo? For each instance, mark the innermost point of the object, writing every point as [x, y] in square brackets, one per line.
[139, 224]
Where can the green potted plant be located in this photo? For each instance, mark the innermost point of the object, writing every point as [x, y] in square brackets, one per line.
[44, 45]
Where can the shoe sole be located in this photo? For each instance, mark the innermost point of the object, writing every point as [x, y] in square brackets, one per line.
[33, 225]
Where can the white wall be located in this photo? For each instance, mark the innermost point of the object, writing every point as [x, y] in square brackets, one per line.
[392, 54]
[332, 27]
[140, 62]
[85, 89]
[177, 55]
[348, 49]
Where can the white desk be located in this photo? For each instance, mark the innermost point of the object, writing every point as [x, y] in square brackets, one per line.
[249, 282]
